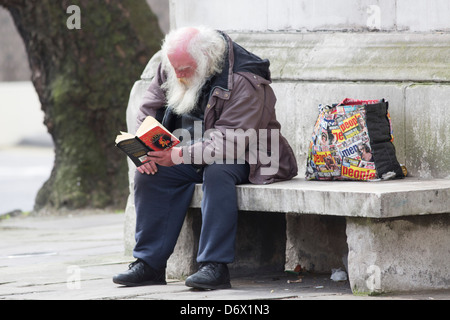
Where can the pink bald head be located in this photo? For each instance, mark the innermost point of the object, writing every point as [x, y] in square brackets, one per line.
[181, 60]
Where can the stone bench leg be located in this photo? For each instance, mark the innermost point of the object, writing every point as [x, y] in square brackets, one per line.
[399, 254]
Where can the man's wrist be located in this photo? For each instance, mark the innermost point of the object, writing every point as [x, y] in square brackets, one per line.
[180, 154]
[177, 155]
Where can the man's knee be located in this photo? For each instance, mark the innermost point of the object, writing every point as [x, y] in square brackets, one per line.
[140, 179]
[143, 181]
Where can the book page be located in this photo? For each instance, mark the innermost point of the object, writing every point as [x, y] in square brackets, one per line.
[124, 136]
[148, 124]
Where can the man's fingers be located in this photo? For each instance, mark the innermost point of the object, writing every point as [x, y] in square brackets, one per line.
[156, 155]
[148, 168]
[153, 167]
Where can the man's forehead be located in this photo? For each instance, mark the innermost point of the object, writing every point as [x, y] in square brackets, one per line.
[179, 55]
[181, 59]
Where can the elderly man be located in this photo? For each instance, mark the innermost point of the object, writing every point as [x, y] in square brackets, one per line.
[218, 96]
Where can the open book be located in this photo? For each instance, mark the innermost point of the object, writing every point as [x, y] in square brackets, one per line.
[150, 136]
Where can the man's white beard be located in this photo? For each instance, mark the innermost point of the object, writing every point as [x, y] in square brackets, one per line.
[183, 97]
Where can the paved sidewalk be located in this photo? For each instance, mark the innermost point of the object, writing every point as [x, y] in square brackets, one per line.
[74, 258]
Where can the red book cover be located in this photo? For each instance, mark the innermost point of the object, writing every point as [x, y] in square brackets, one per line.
[158, 139]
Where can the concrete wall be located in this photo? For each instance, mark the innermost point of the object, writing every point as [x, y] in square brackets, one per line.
[313, 15]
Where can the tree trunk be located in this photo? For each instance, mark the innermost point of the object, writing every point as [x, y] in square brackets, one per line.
[83, 78]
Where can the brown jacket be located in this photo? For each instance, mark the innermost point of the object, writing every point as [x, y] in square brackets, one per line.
[245, 101]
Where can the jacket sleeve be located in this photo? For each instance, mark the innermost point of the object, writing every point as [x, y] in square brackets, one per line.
[237, 125]
[154, 98]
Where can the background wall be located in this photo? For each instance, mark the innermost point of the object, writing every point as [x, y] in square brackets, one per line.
[314, 15]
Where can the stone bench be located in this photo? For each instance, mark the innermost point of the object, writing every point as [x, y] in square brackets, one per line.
[390, 236]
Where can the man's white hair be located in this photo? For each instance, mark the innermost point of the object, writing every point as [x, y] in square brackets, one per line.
[207, 47]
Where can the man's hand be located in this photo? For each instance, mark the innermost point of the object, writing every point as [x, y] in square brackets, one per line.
[166, 158]
[163, 158]
[148, 168]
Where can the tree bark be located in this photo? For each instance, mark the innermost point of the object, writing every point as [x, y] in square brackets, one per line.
[83, 78]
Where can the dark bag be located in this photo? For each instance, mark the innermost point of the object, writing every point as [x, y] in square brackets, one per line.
[353, 141]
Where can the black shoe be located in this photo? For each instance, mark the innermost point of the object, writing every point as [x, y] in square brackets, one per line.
[140, 274]
[211, 275]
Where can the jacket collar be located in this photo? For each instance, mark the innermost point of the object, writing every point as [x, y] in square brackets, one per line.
[238, 59]
[224, 80]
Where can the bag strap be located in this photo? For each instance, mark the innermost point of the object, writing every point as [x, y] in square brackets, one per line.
[351, 102]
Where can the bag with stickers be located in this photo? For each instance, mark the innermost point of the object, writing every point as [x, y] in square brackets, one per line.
[353, 140]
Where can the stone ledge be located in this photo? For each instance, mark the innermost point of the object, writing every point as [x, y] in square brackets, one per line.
[340, 56]
[383, 199]
[346, 56]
